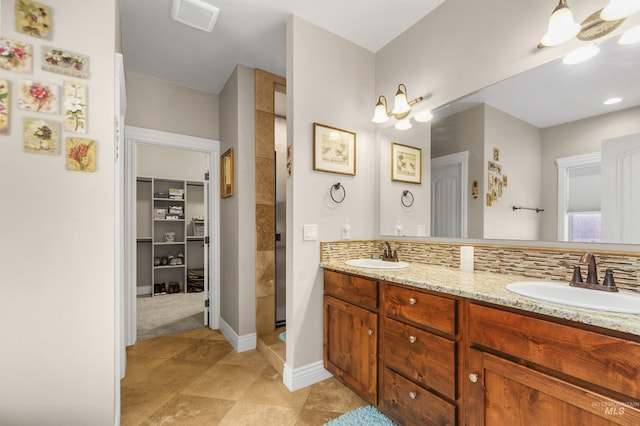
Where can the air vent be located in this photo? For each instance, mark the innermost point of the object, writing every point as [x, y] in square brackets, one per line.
[195, 13]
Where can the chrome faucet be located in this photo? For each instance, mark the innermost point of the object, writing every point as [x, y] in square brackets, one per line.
[388, 254]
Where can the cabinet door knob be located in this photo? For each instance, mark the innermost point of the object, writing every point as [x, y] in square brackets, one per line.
[412, 339]
[370, 332]
[412, 395]
[412, 301]
[473, 378]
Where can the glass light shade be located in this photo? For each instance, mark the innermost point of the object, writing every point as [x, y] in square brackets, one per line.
[580, 55]
[561, 28]
[423, 116]
[619, 9]
[380, 113]
[403, 124]
[401, 105]
[631, 36]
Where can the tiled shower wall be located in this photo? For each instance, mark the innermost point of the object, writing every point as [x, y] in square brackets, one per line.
[534, 262]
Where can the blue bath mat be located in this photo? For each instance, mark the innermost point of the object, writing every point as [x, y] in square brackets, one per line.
[363, 416]
[283, 336]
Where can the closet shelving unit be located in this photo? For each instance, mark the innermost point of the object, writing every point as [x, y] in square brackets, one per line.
[165, 208]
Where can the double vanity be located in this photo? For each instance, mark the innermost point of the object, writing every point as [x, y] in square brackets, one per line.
[435, 345]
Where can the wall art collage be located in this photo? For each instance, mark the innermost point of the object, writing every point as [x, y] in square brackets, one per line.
[54, 110]
[497, 181]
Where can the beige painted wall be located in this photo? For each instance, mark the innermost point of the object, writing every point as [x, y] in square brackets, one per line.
[57, 363]
[157, 104]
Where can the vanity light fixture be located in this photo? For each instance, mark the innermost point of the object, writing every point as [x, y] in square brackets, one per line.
[631, 36]
[612, 101]
[581, 54]
[401, 108]
[562, 27]
[423, 116]
[403, 124]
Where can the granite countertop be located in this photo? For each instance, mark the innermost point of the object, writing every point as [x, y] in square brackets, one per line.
[490, 287]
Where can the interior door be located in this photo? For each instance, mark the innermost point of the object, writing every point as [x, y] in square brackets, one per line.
[448, 196]
[207, 253]
[620, 208]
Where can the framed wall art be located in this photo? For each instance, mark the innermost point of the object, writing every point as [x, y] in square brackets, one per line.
[5, 106]
[406, 163]
[226, 178]
[64, 62]
[81, 155]
[75, 107]
[15, 56]
[334, 150]
[41, 136]
[38, 97]
[33, 19]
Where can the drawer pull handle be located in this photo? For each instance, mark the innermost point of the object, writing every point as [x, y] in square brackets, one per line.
[412, 339]
[412, 301]
[473, 378]
[370, 332]
[412, 395]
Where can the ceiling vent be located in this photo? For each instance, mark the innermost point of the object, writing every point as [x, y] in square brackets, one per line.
[195, 13]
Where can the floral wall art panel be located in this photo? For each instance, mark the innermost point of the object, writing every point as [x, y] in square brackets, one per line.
[38, 97]
[81, 154]
[64, 62]
[15, 56]
[33, 19]
[4, 106]
[41, 136]
[75, 107]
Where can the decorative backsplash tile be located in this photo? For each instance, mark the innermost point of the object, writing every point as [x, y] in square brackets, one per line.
[534, 262]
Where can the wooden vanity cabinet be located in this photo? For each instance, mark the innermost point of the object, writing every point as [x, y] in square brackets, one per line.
[528, 370]
[351, 332]
[418, 357]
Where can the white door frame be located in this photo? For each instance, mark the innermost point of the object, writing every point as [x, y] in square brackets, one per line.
[135, 136]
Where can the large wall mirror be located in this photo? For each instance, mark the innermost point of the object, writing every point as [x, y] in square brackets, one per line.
[535, 157]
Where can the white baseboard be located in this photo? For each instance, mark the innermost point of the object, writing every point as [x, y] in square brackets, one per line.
[143, 290]
[307, 375]
[239, 343]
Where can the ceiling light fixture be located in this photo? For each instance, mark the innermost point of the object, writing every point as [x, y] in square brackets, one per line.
[195, 13]
[562, 27]
[612, 101]
[581, 54]
[401, 108]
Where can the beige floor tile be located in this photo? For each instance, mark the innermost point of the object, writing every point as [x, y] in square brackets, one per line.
[315, 417]
[191, 410]
[331, 395]
[206, 352]
[251, 358]
[201, 333]
[272, 338]
[268, 389]
[225, 381]
[280, 349]
[161, 347]
[138, 371]
[168, 376]
[137, 406]
[251, 414]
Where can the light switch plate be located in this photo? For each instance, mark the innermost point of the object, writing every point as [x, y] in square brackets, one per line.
[310, 233]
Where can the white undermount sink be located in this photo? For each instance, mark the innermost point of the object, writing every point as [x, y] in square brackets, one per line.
[376, 264]
[564, 294]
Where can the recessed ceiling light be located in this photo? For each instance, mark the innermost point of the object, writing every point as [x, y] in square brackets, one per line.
[612, 101]
[631, 36]
[195, 13]
[580, 55]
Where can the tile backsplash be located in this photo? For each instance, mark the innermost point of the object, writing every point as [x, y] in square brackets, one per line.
[534, 262]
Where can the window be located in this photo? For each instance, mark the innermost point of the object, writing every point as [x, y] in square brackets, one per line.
[584, 227]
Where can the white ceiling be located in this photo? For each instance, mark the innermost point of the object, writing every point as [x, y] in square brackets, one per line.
[251, 33]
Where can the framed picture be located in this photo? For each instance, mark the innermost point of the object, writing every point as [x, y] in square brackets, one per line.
[38, 97]
[15, 56]
[406, 163]
[65, 62]
[75, 107]
[41, 136]
[4, 106]
[226, 169]
[81, 155]
[334, 150]
[33, 19]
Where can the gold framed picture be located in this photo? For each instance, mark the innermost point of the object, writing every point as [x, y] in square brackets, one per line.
[334, 150]
[406, 163]
[226, 177]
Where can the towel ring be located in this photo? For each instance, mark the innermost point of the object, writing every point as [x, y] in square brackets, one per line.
[336, 187]
[406, 194]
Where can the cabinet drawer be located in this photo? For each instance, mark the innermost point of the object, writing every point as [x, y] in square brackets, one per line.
[361, 291]
[424, 309]
[410, 404]
[606, 361]
[421, 356]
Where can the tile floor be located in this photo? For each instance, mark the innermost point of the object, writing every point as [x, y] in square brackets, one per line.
[196, 378]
